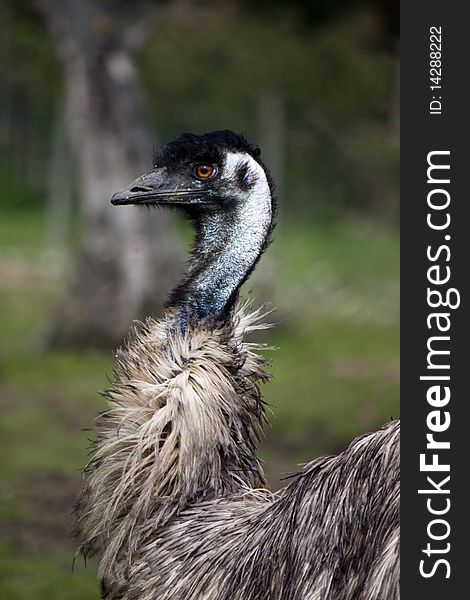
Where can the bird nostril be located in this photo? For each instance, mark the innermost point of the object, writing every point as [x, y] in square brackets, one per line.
[138, 189]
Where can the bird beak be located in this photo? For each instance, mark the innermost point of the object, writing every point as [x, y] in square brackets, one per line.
[158, 188]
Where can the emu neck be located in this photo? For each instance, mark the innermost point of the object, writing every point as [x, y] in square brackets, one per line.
[228, 246]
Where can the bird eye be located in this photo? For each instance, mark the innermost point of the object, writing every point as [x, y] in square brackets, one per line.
[204, 171]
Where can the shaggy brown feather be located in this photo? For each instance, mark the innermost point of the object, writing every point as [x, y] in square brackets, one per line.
[173, 500]
[185, 418]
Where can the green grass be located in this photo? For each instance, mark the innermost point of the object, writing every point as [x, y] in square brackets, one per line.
[43, 577]
[346, 269]
[335, 375]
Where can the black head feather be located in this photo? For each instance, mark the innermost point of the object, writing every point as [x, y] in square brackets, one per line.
[210, 147]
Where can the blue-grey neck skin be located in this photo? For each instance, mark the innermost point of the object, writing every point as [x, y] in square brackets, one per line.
[228, 245]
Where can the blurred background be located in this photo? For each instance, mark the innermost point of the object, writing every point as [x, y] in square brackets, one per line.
[86, 89]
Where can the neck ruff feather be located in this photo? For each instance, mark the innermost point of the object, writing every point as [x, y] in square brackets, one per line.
[184, 422]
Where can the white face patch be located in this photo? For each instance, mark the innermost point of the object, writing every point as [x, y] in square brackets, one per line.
[258, 198]
[234, 160]
[249, 226]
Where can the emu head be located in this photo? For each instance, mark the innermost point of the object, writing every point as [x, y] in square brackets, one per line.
[219, 181]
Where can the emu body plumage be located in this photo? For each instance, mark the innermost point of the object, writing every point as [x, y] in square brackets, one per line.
[174, 502]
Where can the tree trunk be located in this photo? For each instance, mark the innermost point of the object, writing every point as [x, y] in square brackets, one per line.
[60, 196]
[127, 260]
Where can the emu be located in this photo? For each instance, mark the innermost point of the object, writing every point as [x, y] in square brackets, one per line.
[174, 500]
